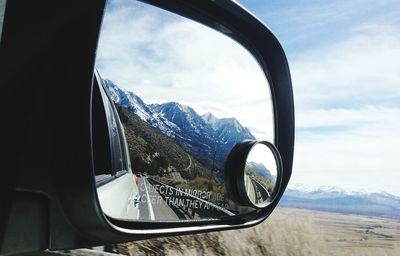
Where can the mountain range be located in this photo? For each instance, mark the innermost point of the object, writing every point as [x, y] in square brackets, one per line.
[208, 138]
[333, 199]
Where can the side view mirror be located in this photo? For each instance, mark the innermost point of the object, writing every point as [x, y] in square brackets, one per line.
[192, 148]
[175, 117]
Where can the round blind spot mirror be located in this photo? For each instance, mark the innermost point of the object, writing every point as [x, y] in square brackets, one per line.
[253, 173]
[260, 175]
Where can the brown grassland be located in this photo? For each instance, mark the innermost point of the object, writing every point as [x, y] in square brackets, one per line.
[286, 232]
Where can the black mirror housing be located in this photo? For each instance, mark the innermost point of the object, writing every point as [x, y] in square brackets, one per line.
[51, 146]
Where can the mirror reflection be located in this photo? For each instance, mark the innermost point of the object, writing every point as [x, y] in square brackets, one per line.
[184, 95]
[260, 175]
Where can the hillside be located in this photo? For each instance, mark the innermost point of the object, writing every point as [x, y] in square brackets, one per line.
[207, 138]
[155, 153]
[333, 199]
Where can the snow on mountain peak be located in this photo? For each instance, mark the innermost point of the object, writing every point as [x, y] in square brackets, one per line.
[210, 118]
[335, 190]
[350, 201]
[181, 121]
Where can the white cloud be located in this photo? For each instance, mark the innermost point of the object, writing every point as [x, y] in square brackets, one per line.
[361, 70]
[347, 92]
[363, 155]
[162, 57]
[347, 96]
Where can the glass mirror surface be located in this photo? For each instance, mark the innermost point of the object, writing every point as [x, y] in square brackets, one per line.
[185, 95]
[260, 175]
[2, 10]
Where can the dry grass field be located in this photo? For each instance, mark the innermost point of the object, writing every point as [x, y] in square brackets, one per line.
[287, 232]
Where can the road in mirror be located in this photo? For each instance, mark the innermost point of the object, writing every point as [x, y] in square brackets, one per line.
[185, 96]
[260, 175]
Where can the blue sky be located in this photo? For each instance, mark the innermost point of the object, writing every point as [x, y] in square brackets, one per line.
[345, 62]
[344, 57]
[303, 24]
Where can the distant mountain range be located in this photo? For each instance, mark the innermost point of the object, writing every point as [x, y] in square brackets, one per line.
[208, 138]
[332, 199]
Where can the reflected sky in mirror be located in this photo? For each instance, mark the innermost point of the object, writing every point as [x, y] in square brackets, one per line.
[155, 54]
[185, 95]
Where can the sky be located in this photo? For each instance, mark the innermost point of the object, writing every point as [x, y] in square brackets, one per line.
[344, 58]
[163, 57]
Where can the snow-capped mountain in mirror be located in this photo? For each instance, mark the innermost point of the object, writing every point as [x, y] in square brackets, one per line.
[211, 120]
[208, 137]
[229, 130]
[334, 199]
[190, 123]
[135, 104]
